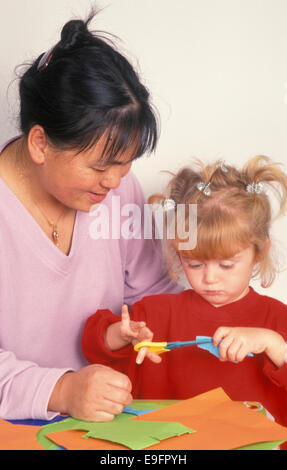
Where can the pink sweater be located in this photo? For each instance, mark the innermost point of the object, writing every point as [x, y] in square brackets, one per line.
[46, 296]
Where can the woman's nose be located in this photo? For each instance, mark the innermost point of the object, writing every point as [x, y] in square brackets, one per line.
[112, 177]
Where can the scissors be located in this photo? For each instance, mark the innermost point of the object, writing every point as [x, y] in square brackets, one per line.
[163, 347]
[203, 342]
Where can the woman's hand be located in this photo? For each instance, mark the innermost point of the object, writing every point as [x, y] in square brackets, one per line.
[94, 393]
[235, 343]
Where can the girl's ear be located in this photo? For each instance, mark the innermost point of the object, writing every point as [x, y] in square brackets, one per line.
[37, 144]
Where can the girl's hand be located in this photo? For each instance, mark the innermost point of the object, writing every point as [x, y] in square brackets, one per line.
[237, 342]
[136, 332]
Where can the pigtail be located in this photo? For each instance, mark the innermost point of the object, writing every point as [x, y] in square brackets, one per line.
[260, 170]
[184, 186]
[156, 198]
[181, 186]
[268, 184]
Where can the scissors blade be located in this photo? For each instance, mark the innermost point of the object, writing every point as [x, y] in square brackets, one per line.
[182, 344]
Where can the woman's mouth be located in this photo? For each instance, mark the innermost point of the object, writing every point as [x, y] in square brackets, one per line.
[97, 198]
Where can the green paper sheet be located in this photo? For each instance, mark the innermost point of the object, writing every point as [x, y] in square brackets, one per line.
[123, 430]
[136, 435]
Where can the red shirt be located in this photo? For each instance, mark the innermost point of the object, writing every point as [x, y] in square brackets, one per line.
[189, 371]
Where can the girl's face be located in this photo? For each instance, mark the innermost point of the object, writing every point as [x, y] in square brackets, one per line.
[221, 282]
[81, 181]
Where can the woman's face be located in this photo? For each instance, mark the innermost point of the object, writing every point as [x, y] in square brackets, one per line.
[79, 180]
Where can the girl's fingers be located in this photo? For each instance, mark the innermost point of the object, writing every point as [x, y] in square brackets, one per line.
[141, 355]
[219, 334]
[241, 353]
[125, 317]
[233, 349]
[137, 325]
[224, 346]
[145, 334]
[153, 357]
[129, 327]
[143, 352]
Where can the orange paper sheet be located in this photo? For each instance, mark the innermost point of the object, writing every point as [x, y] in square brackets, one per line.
[18, 437]
[221, 424]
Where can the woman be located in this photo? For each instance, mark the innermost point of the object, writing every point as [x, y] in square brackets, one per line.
[84, 118]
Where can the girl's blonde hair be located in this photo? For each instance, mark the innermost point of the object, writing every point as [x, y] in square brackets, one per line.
[230, 218]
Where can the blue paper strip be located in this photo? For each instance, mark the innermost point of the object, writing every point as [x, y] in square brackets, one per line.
[132, 411]
[209, 346]
[36, 422]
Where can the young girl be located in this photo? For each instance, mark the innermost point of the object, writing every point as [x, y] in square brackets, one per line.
[233, 245]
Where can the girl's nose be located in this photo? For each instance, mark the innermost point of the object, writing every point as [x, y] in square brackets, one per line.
[210, 274]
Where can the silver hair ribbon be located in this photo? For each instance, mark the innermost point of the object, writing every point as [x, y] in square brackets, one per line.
[168, 205]
[205, 188]
[223, 167]
[165, 205]
[257, 188]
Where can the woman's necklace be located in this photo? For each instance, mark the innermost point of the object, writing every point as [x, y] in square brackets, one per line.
[54, 225]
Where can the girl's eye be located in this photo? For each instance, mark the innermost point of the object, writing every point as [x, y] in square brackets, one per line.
[226, 266]
[194, 266]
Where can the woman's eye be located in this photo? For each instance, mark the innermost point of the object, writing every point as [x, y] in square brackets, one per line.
[99, 170]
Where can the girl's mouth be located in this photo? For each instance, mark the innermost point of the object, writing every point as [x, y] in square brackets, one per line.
[213, 292]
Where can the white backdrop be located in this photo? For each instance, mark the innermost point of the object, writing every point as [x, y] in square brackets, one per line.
[216, 69]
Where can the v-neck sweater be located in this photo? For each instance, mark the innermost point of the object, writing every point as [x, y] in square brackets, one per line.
[46, 296]
[186, 372]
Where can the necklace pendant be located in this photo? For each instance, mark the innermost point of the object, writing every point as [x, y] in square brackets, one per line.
[55, 236]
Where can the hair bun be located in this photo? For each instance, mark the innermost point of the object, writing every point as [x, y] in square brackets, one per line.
[73, 32]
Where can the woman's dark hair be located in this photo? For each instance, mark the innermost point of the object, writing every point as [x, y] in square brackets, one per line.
[84, 89]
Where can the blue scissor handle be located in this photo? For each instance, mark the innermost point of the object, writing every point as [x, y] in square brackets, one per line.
[203, 342]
